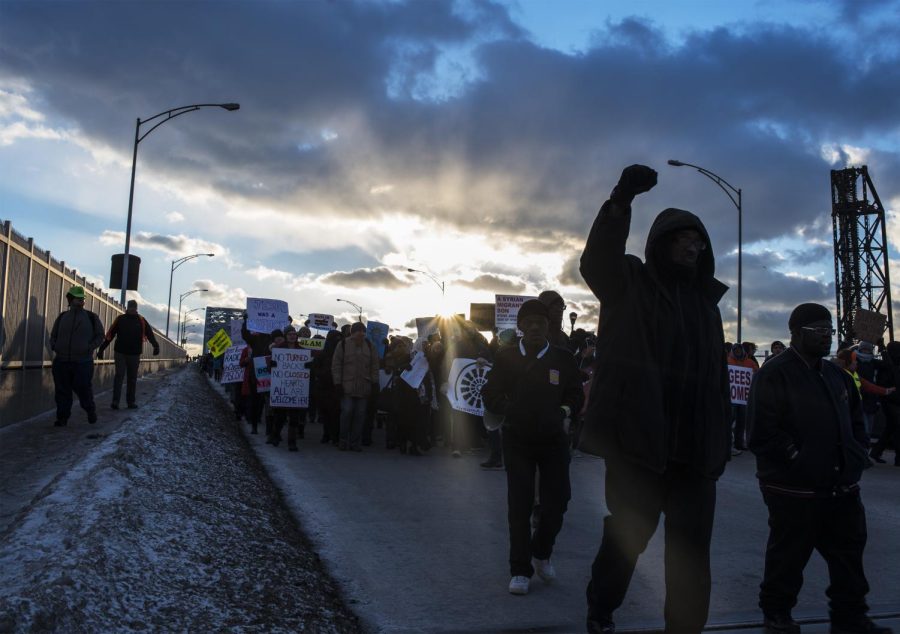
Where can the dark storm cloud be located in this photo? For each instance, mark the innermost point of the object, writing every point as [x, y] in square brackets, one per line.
[493, 283]
[379, 277]
[526, 139]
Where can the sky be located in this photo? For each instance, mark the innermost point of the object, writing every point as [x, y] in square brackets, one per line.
[470, 139]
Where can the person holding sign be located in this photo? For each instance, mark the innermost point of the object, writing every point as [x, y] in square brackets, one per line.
[808, 434]
[660, 407]
[738, 357]
[354, 369]
[295, 417]
[536, 387]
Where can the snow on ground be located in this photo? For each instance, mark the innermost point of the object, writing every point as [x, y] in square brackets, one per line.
[169, 524]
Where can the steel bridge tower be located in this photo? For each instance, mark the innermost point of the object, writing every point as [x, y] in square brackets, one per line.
[861, 275]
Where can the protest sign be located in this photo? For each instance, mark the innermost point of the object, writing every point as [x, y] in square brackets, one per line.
[235, 329]
[232, 372]
[427, 326]
[506, 309]
[482, 315]
[869, 325]
[739, 379]
[417, 372]
[219, 343]
[311, 344]
[464, 386]
[376, 333]
[290, 378]
[263, 374]
[321, 321]
[265, 315]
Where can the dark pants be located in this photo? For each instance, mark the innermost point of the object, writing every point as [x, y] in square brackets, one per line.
[495, 442]
[739, 416]
[635, 497]
[296, 422]
[522, 460]
[126, 370]
[330, 415]
[836, 527]
[890, 436]
[73, 376]
[254, 404]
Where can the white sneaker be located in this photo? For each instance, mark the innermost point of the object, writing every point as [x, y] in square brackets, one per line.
[519, 585]
[544, 570]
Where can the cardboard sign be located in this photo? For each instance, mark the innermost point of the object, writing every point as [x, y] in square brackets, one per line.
[311, 344]
[232, 372]
[739, 379]
[321, 321]
[427, 326]
[376, 333]
[219, 343]
[464, 386]
[263, 374]
[290, 378]
[506, 310]
[869, 325]
[416, 374]
[265, 315]
[234, 327]
[482, 315]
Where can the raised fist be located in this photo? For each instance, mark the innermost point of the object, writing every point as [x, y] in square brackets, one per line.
[635, 179]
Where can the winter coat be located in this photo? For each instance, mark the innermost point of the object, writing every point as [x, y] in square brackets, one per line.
[130, 331]
[355, 368]
[75, 335]
[529, 392]
[653, 364]
[807, 426]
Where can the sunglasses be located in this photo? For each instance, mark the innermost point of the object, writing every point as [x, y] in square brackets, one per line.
[819, 330]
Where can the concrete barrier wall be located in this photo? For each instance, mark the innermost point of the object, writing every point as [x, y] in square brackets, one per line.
[33, 286]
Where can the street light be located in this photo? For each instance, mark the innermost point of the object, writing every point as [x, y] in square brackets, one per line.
[573, 317]
[356, 306]
[182, 324]
[731, 191]
[175, 265]
[439, 283]
[138, 137]
[183, 295]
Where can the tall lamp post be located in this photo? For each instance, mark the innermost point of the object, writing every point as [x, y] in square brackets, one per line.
[439, 283]
[734, 194]
[356, 306]
[182, 323]
[138, 137]
[175, 265]
[573, 317]
[183, 295]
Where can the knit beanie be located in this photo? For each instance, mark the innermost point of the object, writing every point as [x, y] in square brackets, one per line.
[533, 307]
[806, 314]
[357, 326]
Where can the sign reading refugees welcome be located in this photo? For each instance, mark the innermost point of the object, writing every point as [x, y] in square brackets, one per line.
[265, 315]
[739, 380]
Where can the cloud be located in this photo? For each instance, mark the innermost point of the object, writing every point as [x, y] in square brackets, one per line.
[493, 283]
[221, 295]
[179, 245]
[174, 217]
[378, 277]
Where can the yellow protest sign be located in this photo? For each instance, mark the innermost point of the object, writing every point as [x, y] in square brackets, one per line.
[312, 344]
[219, 343]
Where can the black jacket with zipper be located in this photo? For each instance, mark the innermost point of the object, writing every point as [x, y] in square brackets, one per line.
[75, 335]
[807, 429]
[660, 391]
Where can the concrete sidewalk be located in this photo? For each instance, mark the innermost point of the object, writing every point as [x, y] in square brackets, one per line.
[420, 543]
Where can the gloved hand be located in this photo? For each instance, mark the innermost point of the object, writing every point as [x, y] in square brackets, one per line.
[155, 351]
[635, 179]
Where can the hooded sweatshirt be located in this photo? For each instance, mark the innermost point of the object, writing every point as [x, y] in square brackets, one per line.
[660, 389]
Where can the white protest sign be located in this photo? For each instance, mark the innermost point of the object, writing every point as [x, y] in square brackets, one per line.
[506, 310]
[427, 326]
[416, 374]
[232, 372]
[265, 315]
[464, 386]
[321, 321]
[234, 328]
[263, 374]
[739, 379]
[290, 378]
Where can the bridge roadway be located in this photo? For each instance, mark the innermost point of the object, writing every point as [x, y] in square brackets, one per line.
[420, 543]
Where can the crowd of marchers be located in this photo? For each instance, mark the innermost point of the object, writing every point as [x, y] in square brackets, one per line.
[648, 392]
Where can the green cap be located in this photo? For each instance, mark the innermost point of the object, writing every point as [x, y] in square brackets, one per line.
[76, 291]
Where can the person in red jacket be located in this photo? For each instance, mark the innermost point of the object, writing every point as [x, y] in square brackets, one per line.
[130, 331]
[739, 357]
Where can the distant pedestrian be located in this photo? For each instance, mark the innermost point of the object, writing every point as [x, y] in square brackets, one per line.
[130, 331]
[75, 335]
[809, 439]
[536, 387]
[354, 369]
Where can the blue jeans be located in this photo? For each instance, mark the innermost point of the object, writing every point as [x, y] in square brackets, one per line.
[73, 376]
[353, 415]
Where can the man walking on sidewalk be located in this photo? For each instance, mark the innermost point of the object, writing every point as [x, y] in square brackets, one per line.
[130, 331]
[75, 335]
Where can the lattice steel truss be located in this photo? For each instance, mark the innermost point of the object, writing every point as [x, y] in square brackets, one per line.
[861, 274]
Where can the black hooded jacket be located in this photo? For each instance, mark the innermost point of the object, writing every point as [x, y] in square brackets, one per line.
[660, 389]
